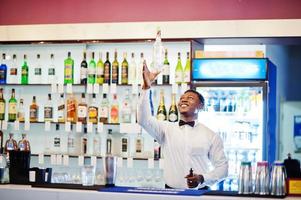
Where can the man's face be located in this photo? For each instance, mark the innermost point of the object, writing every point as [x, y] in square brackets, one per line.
[189, 104]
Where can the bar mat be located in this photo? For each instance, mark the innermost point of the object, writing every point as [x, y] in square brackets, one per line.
[145, 190]
[68, 186]
[235, 193]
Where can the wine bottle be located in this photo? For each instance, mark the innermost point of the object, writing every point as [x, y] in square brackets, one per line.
[37, 77]
[124, 70]
[84, 142]
[132, 70]
[107, 70]
[161, 113]
[114, 110]
[173, 110]
[24, 73]
[82, 110]
[92, 70]
[2, 105]
[12, 107]
[139, 142]
[83, 69]
[187, 70]
[3, 70]
[13, 71]
[179, 71]
[34, 110]
[100, 70]
[109, 143]
[52, 71]
[115, 69]
[166, 69]
[21, 111]
[93, 110]
[48, 110]
[104, 109]
[69, 69]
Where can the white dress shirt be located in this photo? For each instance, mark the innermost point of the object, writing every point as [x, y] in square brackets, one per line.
[184, 147]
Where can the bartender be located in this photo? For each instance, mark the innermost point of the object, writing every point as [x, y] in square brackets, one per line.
[193, 154]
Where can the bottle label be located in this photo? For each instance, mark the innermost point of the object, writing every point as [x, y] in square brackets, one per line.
[99, 71]
[71, 109]
[83, 73]
[93, 112]
[33, 113]
[48, 112]
[68, 72]
[13, 71]
[82, 111]
[187, 76]
[124, 146]
[22, 146]
[138, 146]
[115, 73]
[71, 143]
[51, 71]
[91, 71]
[21, 116]
[24, 72]
[2, 108]
[165, 70]
[12, 108]
[37, 71]
[60, 112]
[57, 142]
[10, 146]
[114, 114]
[107, 73]
[103, 112]
[2, 74]
[161, 117]
[173, 117]
[178, 77]
[124, 73]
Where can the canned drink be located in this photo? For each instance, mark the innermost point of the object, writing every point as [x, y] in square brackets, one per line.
[262, 178]
[245, 185]
[278, 179]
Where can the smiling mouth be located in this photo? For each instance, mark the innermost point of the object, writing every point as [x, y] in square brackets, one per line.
[184, 105]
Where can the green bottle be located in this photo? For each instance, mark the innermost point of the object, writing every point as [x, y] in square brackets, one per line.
[179, 71]
[124, 71]
[24, 73]
[166, 69]
[91, 70]
[100, 70]
[69, 69]
[12, 107]
[187, 70]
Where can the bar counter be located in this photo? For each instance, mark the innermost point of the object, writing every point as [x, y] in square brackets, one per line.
[27, 192]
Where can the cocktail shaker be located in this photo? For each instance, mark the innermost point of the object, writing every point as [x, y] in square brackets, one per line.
[262, 178]
[278, 178]
[245, 178]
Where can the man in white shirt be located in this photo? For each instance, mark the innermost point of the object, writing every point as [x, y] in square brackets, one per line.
[185, 145]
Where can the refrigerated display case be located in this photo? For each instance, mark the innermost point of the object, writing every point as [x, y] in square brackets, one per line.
[239, 105]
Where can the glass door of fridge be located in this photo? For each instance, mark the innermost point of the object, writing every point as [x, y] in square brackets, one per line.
[236, 114]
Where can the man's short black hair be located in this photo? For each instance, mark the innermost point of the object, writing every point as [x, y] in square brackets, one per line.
[201, 98]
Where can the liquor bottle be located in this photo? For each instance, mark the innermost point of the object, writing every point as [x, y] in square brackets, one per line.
[10, 144]
[96, 144]
[132, 70]
[12, 107]
[13, 71]
[24, 72]
[187, 70]
[173, 110]
[124, 147]
[104, 110]
[114, 110]
[83, 69]
[91, 70]
[124, 71]
[139, 143]
[107, 70]
[37, 78]
[33, 110]
[2, 105]
[71, 109]
[161, 113]
[126, 108]
[100, 70]
[72, 147]
[166, 69]
[109, 145]
[21, 111]
[158, 52]
[82, 110]
[69, 69]
[48, 110]
[51, 71]
[115, 69]
[93, 110]
[3, 70]
[140, 69]
[61, 109]
[24, 144]
[56, 140]
[157, 150]
[1, 142]
[84, 143]
[179, 71]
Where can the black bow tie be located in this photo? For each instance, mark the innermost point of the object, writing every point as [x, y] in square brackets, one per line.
[181, 123]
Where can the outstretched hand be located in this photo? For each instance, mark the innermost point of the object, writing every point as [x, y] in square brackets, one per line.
[148, 77]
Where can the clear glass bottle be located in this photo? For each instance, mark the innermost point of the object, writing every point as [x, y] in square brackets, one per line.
[139, 144]
[96, 144]
[109, 143]
[92, 70]
[140, 69]
[52, 79]
[82, 110]
[104, 109]
[48, 110]
[61, 109]
[158, 52]
[24, 144]
[37, 76]
[56, 148]
[34, 110]
[12, 107]
[21, 111]
[126, 108]
[84, 142]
